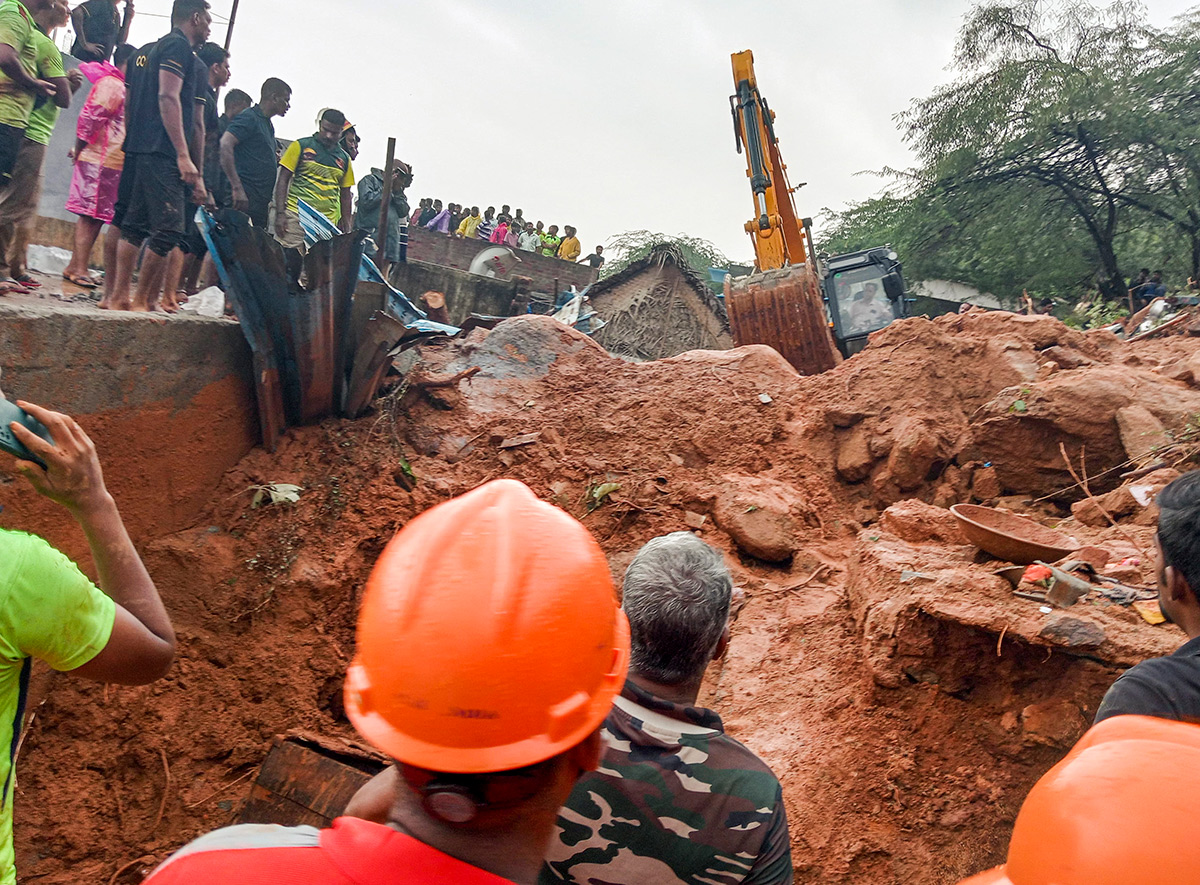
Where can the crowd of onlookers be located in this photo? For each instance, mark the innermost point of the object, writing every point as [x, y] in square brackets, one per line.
[152, 146]
[506, 228]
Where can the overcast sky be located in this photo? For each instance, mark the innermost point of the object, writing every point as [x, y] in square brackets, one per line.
[610, 116]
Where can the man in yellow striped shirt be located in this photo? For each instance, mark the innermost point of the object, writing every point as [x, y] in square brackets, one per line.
[317, 171]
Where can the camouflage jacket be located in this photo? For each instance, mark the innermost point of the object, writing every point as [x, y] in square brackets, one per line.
[675, 800]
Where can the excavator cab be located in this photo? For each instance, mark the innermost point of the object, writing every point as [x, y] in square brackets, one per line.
[864, 292]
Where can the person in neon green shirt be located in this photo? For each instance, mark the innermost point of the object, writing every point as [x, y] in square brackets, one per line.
[318, 172]
[19, 84]
[18, 201]
[118, 632]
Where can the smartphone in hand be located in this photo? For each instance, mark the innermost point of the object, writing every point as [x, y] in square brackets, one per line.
[10, 412]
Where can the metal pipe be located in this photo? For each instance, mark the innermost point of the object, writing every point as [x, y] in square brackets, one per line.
[381, 232]
[229, 27]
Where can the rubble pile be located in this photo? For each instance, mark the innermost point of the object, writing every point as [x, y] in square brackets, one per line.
[904, 692]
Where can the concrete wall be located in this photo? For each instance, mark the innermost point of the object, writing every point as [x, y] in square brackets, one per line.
[169, 405]
[56, 173]
[437, 248]
[466, 293]
[946, 290]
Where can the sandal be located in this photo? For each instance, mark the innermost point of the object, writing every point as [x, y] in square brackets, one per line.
[82, 281]
[27, 281]
[12, 287]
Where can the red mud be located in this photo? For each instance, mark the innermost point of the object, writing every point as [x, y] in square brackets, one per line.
[905, 698]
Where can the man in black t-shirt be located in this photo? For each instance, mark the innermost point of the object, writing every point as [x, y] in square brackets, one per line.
[183, 267]
[249, 157]
[596, 259]
[160, 167]
[99, 28]
[1170, 687]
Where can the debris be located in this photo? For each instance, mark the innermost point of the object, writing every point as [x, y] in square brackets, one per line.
[765, 399]
[523, 440]
[675, 459]
[1073, 632]
[597, 494]
[275, 493]
[49, 260]
[694, 520]
[1142, 434]
[208, 302]
[382, 334]
[1014, 574]
[299, 784]
[1150, 611]
[1065, 589]
[1096, 557]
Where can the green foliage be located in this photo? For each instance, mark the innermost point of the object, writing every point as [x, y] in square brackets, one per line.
[1062, 156]
[1096, 314]
[635, 245]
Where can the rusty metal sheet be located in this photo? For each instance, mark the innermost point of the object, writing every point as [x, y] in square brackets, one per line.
[383, 332]
[298, 333]
[783, 309]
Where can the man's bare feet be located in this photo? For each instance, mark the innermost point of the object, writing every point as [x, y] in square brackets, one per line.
[107, 303]
[168, 303]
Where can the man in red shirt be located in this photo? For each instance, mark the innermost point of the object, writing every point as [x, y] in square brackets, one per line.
[490, 648]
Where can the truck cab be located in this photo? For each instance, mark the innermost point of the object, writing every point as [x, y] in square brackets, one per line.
[864, 292]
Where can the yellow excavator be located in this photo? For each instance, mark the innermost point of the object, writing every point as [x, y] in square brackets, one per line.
[813, 312]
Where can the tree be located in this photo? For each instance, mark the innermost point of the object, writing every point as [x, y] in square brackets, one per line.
[1164, 136]
[1042, 102]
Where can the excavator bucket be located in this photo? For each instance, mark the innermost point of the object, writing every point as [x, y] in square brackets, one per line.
[783, 309]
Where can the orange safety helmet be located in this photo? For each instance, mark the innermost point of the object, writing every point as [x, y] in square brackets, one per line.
[489, 638]
[1119, 810]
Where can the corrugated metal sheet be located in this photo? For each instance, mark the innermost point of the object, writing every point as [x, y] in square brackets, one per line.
[299, 333]
[783, 309]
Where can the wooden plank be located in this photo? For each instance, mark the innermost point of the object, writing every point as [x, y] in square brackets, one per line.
[300, 784]
[265, 807]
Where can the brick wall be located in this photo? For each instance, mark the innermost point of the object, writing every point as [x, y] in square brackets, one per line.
[437, 248]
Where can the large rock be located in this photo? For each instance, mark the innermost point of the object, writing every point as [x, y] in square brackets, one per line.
[1142, 434]
[916, 449]
[854, 461]
[757, 514]
[1020, 430]
[917, 522]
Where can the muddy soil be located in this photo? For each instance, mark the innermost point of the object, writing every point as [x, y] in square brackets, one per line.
[907, 718]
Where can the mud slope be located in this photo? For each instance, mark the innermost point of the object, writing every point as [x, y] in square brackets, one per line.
[907, 717]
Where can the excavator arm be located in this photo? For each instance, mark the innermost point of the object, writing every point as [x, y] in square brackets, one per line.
[779, 236]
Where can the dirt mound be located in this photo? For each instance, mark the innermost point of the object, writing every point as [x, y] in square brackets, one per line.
[905, 698]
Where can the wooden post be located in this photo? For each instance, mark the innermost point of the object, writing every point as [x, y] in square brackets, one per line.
[381, 232]
[229, 27]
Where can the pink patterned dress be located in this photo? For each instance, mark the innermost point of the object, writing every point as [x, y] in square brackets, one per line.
[102, 128]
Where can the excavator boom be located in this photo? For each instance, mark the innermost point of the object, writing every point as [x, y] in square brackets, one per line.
[779, 237]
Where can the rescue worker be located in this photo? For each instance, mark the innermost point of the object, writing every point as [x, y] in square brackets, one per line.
[667, 760]
[490, 648]
[1116, 811]
[1170, 687]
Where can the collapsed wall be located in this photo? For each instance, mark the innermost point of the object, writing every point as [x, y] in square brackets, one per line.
[905, 698]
